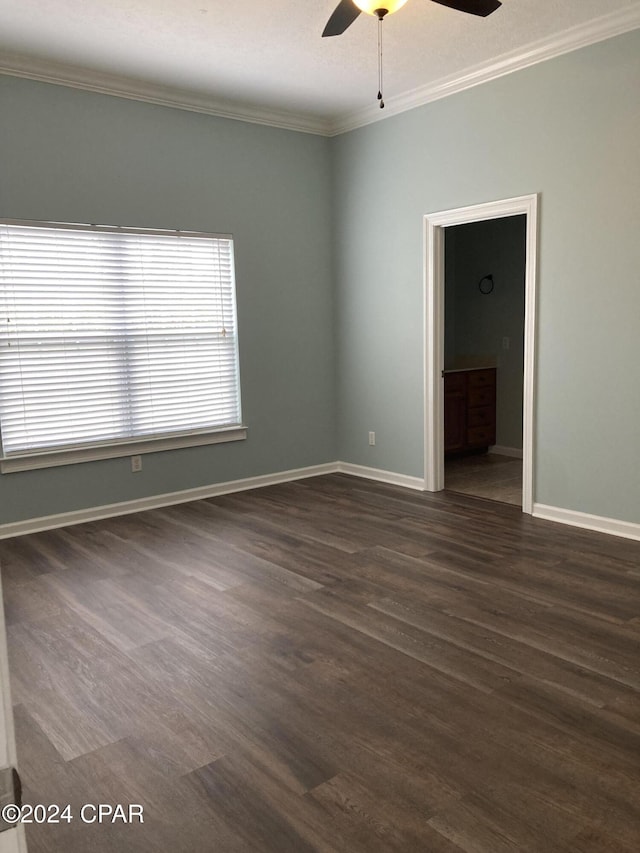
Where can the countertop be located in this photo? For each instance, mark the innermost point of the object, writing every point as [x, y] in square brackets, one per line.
[467, 369]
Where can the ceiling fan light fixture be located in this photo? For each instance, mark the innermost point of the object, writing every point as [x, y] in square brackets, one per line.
[372, 6]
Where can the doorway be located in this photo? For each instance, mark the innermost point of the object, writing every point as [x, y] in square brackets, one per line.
[484, 358]
[435, 333]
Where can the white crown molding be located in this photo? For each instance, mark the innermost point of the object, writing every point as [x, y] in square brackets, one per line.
[597, 523]
[42, 70]
[76, 77]
[583, 35]
[599, 29]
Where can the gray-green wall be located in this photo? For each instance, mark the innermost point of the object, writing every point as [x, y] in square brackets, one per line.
[329, 254]
[476, 323]
[568, 129]
[72, 156]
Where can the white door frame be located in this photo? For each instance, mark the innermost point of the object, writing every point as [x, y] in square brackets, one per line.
[434, 225]
[11, 840]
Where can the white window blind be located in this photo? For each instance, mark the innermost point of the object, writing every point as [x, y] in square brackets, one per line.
[109, 335]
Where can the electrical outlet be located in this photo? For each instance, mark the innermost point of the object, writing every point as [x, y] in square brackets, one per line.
[506, 343]
[372, 439]
[136, 464]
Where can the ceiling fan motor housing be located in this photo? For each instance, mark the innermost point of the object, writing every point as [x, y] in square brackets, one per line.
[373, 7]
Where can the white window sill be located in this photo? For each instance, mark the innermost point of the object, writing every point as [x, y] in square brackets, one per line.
[94, 452]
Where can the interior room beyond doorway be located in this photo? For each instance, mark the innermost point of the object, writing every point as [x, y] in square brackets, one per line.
[485, 266]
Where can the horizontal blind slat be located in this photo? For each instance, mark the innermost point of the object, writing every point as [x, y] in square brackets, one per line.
[108, 335]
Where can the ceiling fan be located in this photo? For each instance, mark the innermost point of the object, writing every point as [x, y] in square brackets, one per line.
[348, 10]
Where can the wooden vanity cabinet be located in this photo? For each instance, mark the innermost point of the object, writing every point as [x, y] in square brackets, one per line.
[469, 409]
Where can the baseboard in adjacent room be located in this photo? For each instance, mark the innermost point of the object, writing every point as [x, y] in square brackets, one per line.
[598, 523]
[506, 451]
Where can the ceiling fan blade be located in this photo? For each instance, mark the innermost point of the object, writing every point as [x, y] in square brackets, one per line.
[472, 7]
[344, 15]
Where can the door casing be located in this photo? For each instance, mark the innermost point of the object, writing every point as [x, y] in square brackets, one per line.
[434, 225]
[11, 840]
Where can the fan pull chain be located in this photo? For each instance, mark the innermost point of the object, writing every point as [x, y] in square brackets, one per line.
[380, 82]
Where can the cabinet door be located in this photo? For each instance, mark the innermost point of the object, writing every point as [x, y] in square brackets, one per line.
[455, 427]
[454, 422]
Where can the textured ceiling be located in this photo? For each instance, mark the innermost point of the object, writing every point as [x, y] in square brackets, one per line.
[271, 55]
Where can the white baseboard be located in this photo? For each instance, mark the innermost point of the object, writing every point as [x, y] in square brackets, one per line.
[381, 476]
[80, 516]
[506, 451]
[65, 519]
[612, 526]
[598, 523]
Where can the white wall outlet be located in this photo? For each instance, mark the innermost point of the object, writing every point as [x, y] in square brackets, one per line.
[136, 463]
[372, 439]
[506, 343]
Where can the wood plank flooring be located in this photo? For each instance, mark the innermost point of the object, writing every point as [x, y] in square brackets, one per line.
[329, 665]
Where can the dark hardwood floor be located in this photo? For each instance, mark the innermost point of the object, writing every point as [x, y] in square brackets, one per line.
[329, 665]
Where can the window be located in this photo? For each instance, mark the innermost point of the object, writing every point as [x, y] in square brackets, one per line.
[114, 341]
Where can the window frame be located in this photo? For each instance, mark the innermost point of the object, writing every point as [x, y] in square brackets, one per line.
[135, 445]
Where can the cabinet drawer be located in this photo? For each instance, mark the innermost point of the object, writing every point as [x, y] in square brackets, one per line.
[482, 416]
[481, 378]
[481, 436]
[481, 397]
